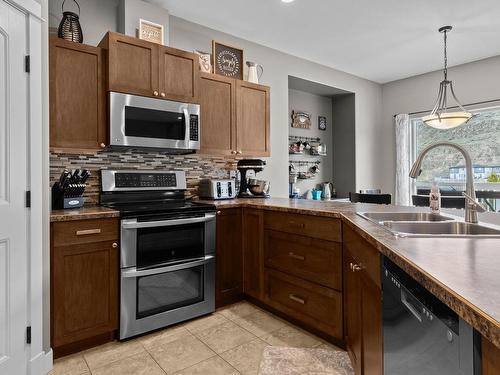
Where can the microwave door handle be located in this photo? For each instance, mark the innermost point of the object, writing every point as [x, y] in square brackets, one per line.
[177, 267]
[134, 224]
[187, 124]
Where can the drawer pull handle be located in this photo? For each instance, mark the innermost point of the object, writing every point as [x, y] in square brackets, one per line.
[295, 256]
[297, 299]
[356, 268]
[87, 232]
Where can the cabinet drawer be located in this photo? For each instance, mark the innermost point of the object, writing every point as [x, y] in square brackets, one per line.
[315, 260]
[312, 226]
[313, 304]
[84, 231]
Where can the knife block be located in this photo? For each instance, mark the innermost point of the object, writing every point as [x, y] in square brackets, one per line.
[69, 197]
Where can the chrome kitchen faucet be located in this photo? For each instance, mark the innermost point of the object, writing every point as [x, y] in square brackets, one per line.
[471, 205]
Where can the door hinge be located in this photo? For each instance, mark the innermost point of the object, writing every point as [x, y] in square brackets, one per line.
[28, 335]
[27, 63]
[28, 199]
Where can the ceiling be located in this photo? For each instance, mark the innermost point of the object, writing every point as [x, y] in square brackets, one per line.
[382, 40]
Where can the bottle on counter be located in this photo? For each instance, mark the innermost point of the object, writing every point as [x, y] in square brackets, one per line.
[435, 199]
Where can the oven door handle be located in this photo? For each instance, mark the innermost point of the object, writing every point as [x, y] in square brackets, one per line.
[132, 272]
[134, 224]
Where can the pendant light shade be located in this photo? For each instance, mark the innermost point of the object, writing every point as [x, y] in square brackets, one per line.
[441, 117]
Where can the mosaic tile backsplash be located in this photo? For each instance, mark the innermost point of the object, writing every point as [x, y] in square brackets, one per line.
[196, 167]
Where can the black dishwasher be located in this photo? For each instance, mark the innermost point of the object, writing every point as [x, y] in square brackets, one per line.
[421, 334]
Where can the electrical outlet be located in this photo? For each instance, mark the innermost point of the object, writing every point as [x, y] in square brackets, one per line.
[232, 173]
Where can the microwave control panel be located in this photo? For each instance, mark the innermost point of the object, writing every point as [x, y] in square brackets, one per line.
[193, 128]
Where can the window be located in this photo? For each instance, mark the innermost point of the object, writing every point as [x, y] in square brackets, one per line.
[446, 166]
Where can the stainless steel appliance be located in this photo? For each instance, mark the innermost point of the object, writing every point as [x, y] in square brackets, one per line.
[421, 334]
[217, 189]
[141, 122]
[167, 249]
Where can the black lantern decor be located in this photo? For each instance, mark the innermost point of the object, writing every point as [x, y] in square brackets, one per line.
[69, 28]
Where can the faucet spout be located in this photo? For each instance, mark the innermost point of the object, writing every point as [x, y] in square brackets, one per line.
[470, 207]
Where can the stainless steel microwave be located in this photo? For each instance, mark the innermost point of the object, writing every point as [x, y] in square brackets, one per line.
[141, 122]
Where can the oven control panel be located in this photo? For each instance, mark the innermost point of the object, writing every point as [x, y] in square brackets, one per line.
[145, 180]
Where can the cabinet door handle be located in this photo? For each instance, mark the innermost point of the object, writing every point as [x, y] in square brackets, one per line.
[155, 93]
[87, 232]
[356, 268]
[239, 152]
[233, 152]
[293, 297]
[162, 95]
[295, 256]
[114, 245]
[102, 145]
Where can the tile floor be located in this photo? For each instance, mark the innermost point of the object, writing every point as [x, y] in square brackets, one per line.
[230, 341]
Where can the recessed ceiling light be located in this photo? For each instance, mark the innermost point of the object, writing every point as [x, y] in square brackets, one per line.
[286, 1]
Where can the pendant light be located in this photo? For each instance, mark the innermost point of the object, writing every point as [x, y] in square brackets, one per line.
[440, 117]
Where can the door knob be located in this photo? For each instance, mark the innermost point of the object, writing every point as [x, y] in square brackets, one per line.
[155, 93]
[162, 94]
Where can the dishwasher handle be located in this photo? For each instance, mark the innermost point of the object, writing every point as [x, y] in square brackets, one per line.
[409, 302]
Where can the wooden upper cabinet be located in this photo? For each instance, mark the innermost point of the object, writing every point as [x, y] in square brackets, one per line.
[133, 65]
[143, 68]
[179, 75]
[217, 101]
[77, 101]
[252, 119]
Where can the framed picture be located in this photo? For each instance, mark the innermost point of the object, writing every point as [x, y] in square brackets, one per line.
[321, 122]
[227, 60]
[301, 120]
[150, 31]
[204, 59]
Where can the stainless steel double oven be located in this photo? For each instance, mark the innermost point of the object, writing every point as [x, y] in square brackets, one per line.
[167, 257]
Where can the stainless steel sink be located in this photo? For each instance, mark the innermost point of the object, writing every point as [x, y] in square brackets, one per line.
[441, 229]
[426, 224]
[404, 216]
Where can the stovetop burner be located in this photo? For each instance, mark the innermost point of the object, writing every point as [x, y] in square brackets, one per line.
[138, 194]
[159, 207]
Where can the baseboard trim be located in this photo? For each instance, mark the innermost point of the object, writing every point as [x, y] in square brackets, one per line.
[41, 364]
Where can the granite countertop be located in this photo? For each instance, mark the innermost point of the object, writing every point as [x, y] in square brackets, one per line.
[95, 212]
[461, 272]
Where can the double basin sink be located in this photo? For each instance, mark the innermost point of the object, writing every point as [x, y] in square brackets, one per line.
[424, 224]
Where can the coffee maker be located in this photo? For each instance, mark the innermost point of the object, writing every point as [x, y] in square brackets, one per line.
[252, 188]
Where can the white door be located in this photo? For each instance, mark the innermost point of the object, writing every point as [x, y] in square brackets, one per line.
[13, 181]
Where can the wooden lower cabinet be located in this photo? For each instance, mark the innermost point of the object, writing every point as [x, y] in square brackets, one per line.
[490, 358]
[314, 305]
[229, 257]
[84, 284]
[363, 304]
[253, 253]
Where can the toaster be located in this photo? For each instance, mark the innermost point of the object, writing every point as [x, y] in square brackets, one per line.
[217, 189]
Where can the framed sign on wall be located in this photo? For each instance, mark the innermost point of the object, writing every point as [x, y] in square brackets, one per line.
[227, 60]
[150, 31]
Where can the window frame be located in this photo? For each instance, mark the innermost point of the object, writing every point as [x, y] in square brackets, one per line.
[473, 108]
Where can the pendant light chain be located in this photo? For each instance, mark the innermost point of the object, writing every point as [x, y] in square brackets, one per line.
[445, 56]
